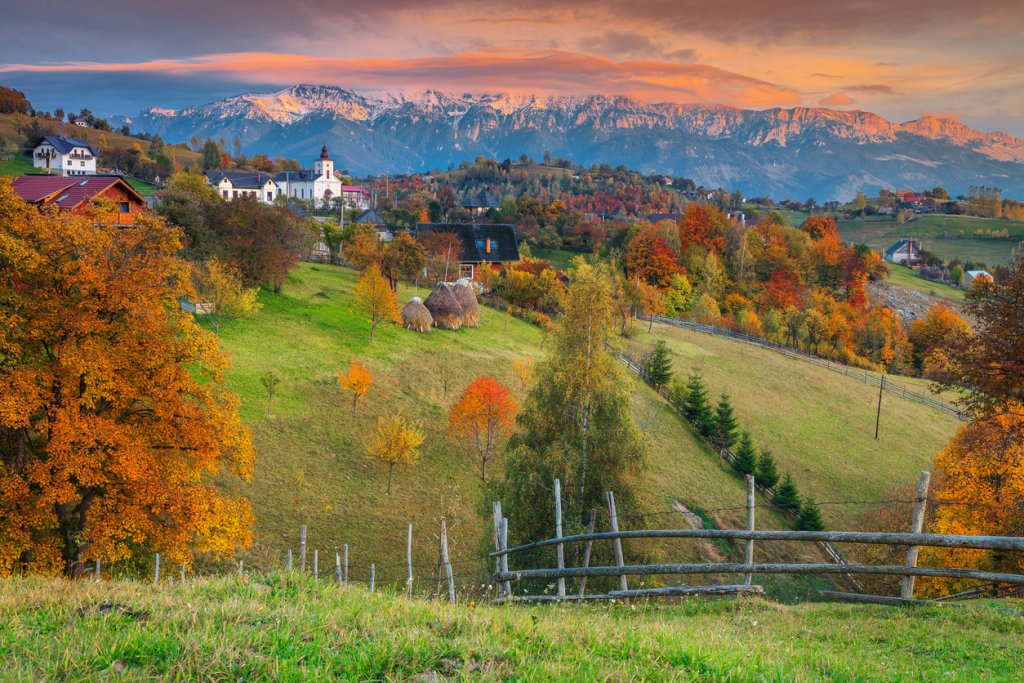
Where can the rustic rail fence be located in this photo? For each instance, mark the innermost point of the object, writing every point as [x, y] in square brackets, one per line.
[506, 577]
[871, 379]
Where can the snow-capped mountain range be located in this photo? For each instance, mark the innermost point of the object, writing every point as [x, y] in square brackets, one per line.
[782, 152]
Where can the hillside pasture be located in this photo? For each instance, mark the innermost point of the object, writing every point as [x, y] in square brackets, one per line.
[818, 424]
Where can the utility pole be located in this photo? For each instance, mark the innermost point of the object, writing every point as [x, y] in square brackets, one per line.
[878, 415]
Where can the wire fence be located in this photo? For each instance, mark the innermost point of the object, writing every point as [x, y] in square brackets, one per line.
[871, 379]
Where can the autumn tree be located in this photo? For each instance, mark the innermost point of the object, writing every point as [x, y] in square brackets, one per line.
[396, 441]
[818, 227]
[523, 370]
[361, 247]
[358, 379]
[482, 418]
[989, 365]
[936, 330]
[270, 381]
[224, 297]
[652, 302]
[403, 257]
[678, 296]
[577, 422]
[375, 298]
[114, 418]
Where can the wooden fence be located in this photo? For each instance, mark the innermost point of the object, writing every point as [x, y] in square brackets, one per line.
[871, 379]
[912, 541]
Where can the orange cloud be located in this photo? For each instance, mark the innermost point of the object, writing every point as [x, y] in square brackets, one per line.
[837, 99]
[491, 70]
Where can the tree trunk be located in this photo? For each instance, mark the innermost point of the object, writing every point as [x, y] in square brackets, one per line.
[391, 468]
[373, 328]
[483, 469]
[355, 401]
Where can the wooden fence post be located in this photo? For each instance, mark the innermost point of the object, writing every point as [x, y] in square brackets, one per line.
[182, 573]
[344, 566]
[156, 569]
[288, 562]
[558, 534]
[302, 549]
[373, 575]
[749, 554]
[878, 415]
[316, 564]
[447, 562]
[496, 508]
[504, 558]
[408, 559]
[920, 504]
[337, 567]
[586, 551]
[609, 498]
[98, 574]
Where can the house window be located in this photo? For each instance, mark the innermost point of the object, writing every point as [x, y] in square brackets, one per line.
[225, 193]
[81, 163]
[479, 244]
[270, 196]
[466, 270]
[124, 207]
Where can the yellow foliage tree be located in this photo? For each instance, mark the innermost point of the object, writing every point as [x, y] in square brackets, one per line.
[219, 286]
[358, 379]
[396, 441]
[114, 419]
[375, 298]
[523, 370]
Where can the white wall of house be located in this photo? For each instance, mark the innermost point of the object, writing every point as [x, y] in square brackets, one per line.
[80, 161]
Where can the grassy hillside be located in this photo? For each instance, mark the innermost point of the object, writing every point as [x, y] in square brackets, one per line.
[280, 628]
[99, 139]
[312, 467]
[904, 277]
[948, 237]
[311, 462]
[819, 424]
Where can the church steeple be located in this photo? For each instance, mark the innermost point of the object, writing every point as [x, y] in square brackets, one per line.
[324, 166]
[323, 151]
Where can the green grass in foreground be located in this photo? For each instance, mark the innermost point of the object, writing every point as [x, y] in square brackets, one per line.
[281, 628]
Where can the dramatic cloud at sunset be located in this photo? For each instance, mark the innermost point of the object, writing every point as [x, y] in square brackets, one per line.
[897, 58]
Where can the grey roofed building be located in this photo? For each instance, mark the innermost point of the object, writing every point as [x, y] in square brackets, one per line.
[370, 216]
[242, 180]
[65, 145]
[481, 201]
[494, 243]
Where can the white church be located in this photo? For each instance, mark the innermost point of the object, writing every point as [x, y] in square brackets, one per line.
[318, 184]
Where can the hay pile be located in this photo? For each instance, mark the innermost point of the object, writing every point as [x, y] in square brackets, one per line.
[445, 308]
[416, 316]
[466, 297]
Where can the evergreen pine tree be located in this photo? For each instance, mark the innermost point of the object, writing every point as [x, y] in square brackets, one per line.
[786, 496]
[659, 365]
[766, 474]
[809, 518]
[725, 423]
[746, 456]
[697, 410]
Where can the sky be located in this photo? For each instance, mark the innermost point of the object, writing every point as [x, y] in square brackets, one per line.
[901, 59]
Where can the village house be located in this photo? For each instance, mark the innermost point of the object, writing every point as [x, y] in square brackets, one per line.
[494, 244]
[478, 204]
[371, 217]
[234, 184]
[317, 185]
[971, 275]
[904, 251]
[79, 194]
[64, 156]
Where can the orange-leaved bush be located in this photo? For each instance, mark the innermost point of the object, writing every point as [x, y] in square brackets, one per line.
[114, 420]
[483, 417]
[358, 379]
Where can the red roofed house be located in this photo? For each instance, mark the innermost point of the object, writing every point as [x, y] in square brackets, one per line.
[78, 194]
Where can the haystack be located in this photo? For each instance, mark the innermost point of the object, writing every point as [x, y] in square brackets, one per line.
[416, 316]
[445, 308]
[466, 297]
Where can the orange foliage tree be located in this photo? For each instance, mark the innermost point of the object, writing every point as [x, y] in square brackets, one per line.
[358, 379]
[483, 417]
[818, 227]
[114, 420]
[978, 488]
[375, 298]
[930, 334]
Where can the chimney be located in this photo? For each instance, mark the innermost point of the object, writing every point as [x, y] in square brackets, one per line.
[488, 245]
